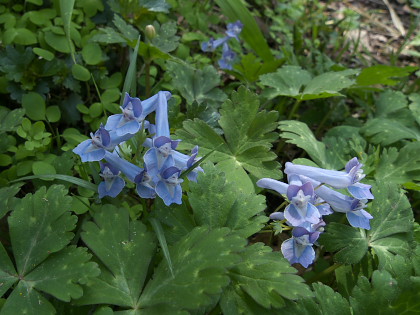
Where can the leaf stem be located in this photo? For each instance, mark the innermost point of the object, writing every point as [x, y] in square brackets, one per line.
[294, 109]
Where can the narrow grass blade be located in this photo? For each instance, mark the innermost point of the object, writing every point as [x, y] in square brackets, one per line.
[66, 178]
[251, 33]
[130, 78]
[162, 241]
[190, 169]
[66, 8]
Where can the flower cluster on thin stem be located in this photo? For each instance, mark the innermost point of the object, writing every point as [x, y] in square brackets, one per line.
[228, 55]
[162, 163]
[311, 195]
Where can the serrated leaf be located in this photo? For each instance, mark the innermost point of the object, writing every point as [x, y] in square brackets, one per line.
[383, 74]
[196, 84]
[125, 249]
[383, 290]
[201, 260]
[266, 277]
[39, 231]
[7, 200]
[399, 166]
[156, 5]
[127, 30]
[10, 120]
[298, 83]
[217, 203]
[40, 225]
[248, 140]
[390, 233]
[388, 131]
[165, 39]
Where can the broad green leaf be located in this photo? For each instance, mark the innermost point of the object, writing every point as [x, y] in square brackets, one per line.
[156, 5]
[196, 84]
[92, 53]
[390, 233]
[201, 261]
[20, 36]
[7, 200]
[34, 105]
[388, 131]
[165, 39]
[250, 68]
[383, 74]
[10, 120]
[42, 168]
[217, 203]
[127, 30]
[298, 83]
[408, 302]
[325, 301]
[125, 249]
[399, 166]
[58, 42]
[349, 243]
[80, 73]
[53, 113]
[382, 290]
[415, 106]
[251, 33]
[389, 102]
[266, 277]
[248, 134]
[46, 54]
[40, 225]
[40, 228]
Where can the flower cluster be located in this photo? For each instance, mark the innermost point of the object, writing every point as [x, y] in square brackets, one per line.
[310, 191]
[162, 163]
[228, 55]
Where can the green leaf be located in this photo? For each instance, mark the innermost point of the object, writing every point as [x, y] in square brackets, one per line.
[298, 83]
[10, 120]
[390, 233]
[250, 68]
[156, 5]
[20, 36]
[46, 54]
[34, 106]
[201, 260]
[383, 290]
[127, 30]
[80, 73]
[217, 203]
[162, 241]
[40, 228]
[196, 84]
[53, 113]
[43, 168]
[251, 33]
[266, 277]
[125, 249]
[399, 165]
[66, 10]
[165, 39]
[248, 134]
[7, 200]
[58, 42]
[383, 74]
[92, 54]
[130, 81]
[388, 131]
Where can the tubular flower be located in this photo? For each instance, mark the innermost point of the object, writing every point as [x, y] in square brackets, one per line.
[112, 184]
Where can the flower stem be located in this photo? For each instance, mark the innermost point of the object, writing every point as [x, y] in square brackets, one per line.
[147, 79]
[294, 109]
[324, 273]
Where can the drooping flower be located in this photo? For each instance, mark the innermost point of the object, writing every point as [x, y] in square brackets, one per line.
[146, 187]
[101, 141]
[352, 207]
[184, 162]
[336, 179]
[234, 29]
[228, 57]
[212, 44]
[112, 184]
[168, 185]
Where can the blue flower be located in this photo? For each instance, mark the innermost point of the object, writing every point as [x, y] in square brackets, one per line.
[133, 114]
[184, 162]
[168, 186]
[228, 58]
[336, 179]
[145, 185]
[234, 29]
[301, 210]
[112, 184]
[128, 169]
[101, 142]
[212, 44]
[273, 184]
[341, 203]
[298, 249]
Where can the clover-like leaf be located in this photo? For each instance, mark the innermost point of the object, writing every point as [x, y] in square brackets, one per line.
[196, 84]
[40, 228]
[391, 230]
[248, 134]
[266, 277]
[165, 39]
[10, 120]
[298, 83]
[217, 203]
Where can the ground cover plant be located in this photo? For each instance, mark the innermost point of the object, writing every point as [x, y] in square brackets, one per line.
[209, 157]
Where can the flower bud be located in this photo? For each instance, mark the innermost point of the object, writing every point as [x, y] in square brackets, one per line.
[150, 32]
